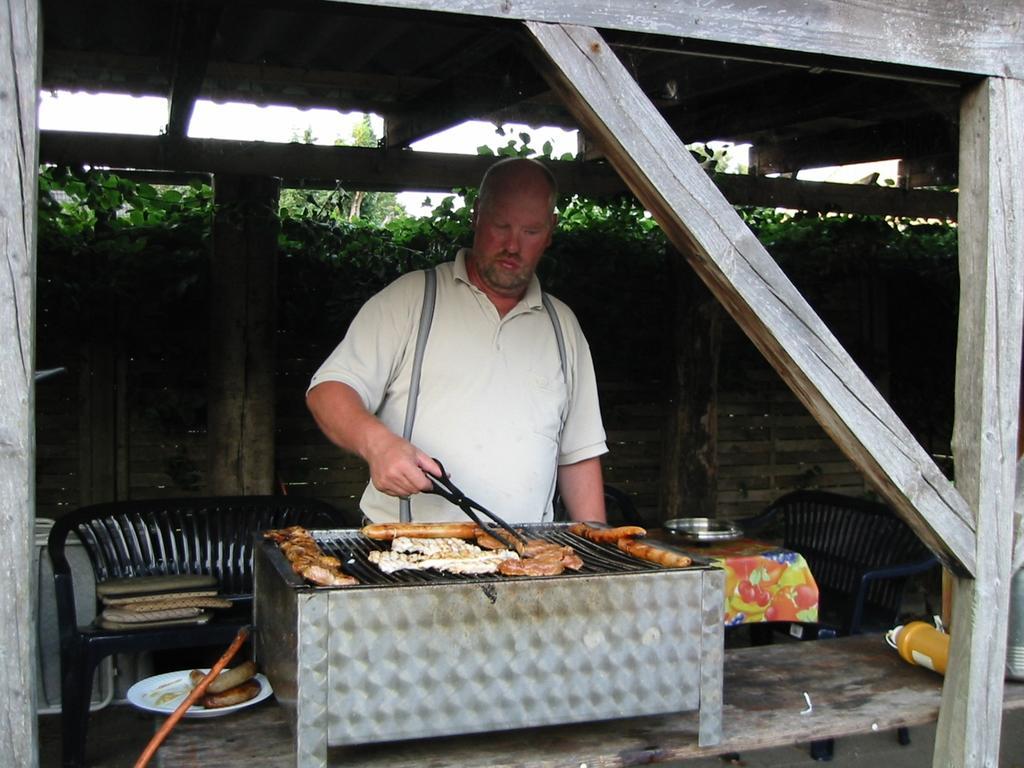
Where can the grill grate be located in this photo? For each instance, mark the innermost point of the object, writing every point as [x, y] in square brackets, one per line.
[353, 549]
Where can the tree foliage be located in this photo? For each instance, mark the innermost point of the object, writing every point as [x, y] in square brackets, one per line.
[339, 203]
[130, 259]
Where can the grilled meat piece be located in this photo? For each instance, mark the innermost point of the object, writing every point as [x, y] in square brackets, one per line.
[542, 558]
[306, 559]
[391, 531]
[447, 555]
[607, 535]
[486, 541]
[644, 551]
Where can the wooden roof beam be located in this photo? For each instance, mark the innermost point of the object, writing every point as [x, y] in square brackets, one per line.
[462, 95]
[895, 140]
[802, 99]
[702, 225]
[931, 33]
[313, 166]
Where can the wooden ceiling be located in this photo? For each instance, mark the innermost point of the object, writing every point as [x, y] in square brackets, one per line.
[424, 72]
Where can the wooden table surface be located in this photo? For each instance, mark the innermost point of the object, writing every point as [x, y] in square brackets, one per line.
[855, 685]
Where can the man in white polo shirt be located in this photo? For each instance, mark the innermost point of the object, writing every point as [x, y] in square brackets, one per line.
[495, 404]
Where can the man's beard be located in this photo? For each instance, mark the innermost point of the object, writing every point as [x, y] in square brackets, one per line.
[494, 275]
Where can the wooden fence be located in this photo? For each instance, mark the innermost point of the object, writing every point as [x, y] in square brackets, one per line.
[767, 442]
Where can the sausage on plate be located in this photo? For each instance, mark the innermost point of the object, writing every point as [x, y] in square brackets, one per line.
[240, 694]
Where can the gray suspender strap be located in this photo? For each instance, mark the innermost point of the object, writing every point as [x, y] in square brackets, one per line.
[426, 318]
[558, 335]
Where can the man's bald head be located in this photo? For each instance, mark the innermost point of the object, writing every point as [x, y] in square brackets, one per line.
[520, 174]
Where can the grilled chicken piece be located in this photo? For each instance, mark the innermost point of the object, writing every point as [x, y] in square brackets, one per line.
[306, 559]
[447, 555]
[434, 547]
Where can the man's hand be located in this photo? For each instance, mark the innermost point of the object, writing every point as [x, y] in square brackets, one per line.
[396, 465]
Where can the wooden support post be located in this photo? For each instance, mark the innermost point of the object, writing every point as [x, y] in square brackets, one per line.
[98, 395]
[991, 241]
[19, 86]
[689, 486]
[243, 326]
[1018, 506]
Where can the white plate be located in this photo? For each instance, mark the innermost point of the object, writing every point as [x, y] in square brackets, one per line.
[163, 693]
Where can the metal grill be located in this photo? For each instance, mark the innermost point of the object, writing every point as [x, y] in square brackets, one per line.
[417, 654]
[353, 549]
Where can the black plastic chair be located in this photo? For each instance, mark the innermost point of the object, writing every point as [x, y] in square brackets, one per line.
[161, 537]
[861, 555]
[618, 506]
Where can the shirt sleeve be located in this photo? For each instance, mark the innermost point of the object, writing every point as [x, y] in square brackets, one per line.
[583, 436]
[371, 353]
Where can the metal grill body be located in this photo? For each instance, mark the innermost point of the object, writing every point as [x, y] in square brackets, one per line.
[418, 655]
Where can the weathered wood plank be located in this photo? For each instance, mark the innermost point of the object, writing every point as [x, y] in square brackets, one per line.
[19, 84]
[397, 170]
[942, 34]
[1018, 505]
[752, 287]
[856, 684]
[991, 240]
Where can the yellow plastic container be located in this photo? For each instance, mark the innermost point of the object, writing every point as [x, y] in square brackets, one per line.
[922, 644]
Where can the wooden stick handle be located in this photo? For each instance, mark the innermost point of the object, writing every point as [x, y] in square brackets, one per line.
[164, 731]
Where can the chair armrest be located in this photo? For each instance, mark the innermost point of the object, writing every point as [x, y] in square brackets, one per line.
[902, 570]
[63, 581]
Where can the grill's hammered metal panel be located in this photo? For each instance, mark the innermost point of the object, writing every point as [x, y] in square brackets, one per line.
[428, 660]
[712, 658]
[313, 714]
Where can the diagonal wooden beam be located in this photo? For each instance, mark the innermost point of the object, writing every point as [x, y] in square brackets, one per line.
[700, 222]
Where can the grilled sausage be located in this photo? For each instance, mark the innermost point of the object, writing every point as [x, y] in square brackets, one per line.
[231, 678]
[250, 689]
[390, 531]
[484, 540]
[607, 535]
[645, 551]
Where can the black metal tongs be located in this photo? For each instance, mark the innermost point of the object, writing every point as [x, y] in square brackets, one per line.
[445, 488]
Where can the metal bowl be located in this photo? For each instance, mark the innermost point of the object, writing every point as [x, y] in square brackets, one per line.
[704, 529]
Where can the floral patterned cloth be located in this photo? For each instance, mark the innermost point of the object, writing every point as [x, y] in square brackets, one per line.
[764, 582]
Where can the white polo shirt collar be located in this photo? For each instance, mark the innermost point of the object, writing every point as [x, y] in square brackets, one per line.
[532, 299]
